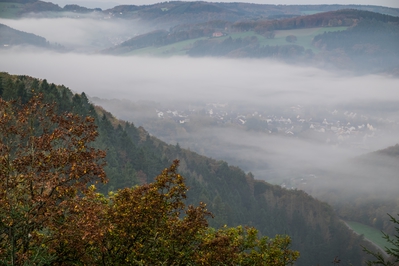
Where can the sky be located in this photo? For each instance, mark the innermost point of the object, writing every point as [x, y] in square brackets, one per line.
[111, 3]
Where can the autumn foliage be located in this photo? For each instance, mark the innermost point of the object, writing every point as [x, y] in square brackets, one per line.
[45, 163]
[51, 214]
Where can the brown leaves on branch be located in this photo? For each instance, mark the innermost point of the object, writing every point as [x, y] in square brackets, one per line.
[51, 215]
[45, 161]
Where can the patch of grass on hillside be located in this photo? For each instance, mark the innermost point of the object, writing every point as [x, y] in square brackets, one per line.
[304, 36]
[244, 34]
[370, 233]
[178, 48]
[9, 9]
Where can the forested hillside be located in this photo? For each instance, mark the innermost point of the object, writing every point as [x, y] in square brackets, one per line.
[11, 37]
[135, 157]
[355, 40]
[370, 45]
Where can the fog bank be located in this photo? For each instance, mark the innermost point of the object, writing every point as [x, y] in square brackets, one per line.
[246, 82]
[207, 79]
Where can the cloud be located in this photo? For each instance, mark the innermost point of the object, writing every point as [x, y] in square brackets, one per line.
[88, 33]
[263, 84]
[182, 78]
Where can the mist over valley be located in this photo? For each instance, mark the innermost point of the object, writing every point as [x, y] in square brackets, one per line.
[305, 101]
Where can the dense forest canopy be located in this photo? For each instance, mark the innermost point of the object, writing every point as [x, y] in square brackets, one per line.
[51, 216]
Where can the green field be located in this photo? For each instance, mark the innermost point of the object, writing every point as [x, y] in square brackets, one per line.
[370, 233]
[304, 38]
[178, 48]
[9, 10]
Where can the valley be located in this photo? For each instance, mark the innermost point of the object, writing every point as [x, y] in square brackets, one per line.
[281, 117]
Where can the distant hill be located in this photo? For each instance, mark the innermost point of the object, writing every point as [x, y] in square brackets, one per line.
[79, 9]
[349, 39]
[370, 45]
[235, 197]
[138, 42]
[177, 12]
[195, 12]
[11, 37]
[22, 8]
[40, 6]
[19, 1]
[356, 38]
[392, 151]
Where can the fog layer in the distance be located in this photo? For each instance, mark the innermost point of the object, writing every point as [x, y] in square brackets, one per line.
[270, 84]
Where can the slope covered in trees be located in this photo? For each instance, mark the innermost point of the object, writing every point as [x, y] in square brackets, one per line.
[11, 37]
[356, 40]
[236, 198]
[50, 216]
[371, 44]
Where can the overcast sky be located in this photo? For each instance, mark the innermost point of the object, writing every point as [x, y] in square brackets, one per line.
[111, 3]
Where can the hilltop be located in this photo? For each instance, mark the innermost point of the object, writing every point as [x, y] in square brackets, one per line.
[12, 37]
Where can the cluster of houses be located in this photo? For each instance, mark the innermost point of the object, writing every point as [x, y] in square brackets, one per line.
[179, 117]
[339, 127]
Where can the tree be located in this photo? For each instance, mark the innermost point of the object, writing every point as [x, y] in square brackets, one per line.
[393, 252]
[291, 38]
[46, 163]
[150, 225]
[51, 214]
[1, 86]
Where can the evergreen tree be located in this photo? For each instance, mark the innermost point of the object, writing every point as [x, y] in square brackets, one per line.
[1, 86]
[10, 91]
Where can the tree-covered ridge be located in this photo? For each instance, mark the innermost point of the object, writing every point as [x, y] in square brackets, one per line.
[199, 11]
[356, 40]
[10, 36]
[371, 44]
[50, 216]
[346, 17]
[236, 198]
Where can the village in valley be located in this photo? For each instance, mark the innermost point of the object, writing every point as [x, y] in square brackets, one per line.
[335, 127]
